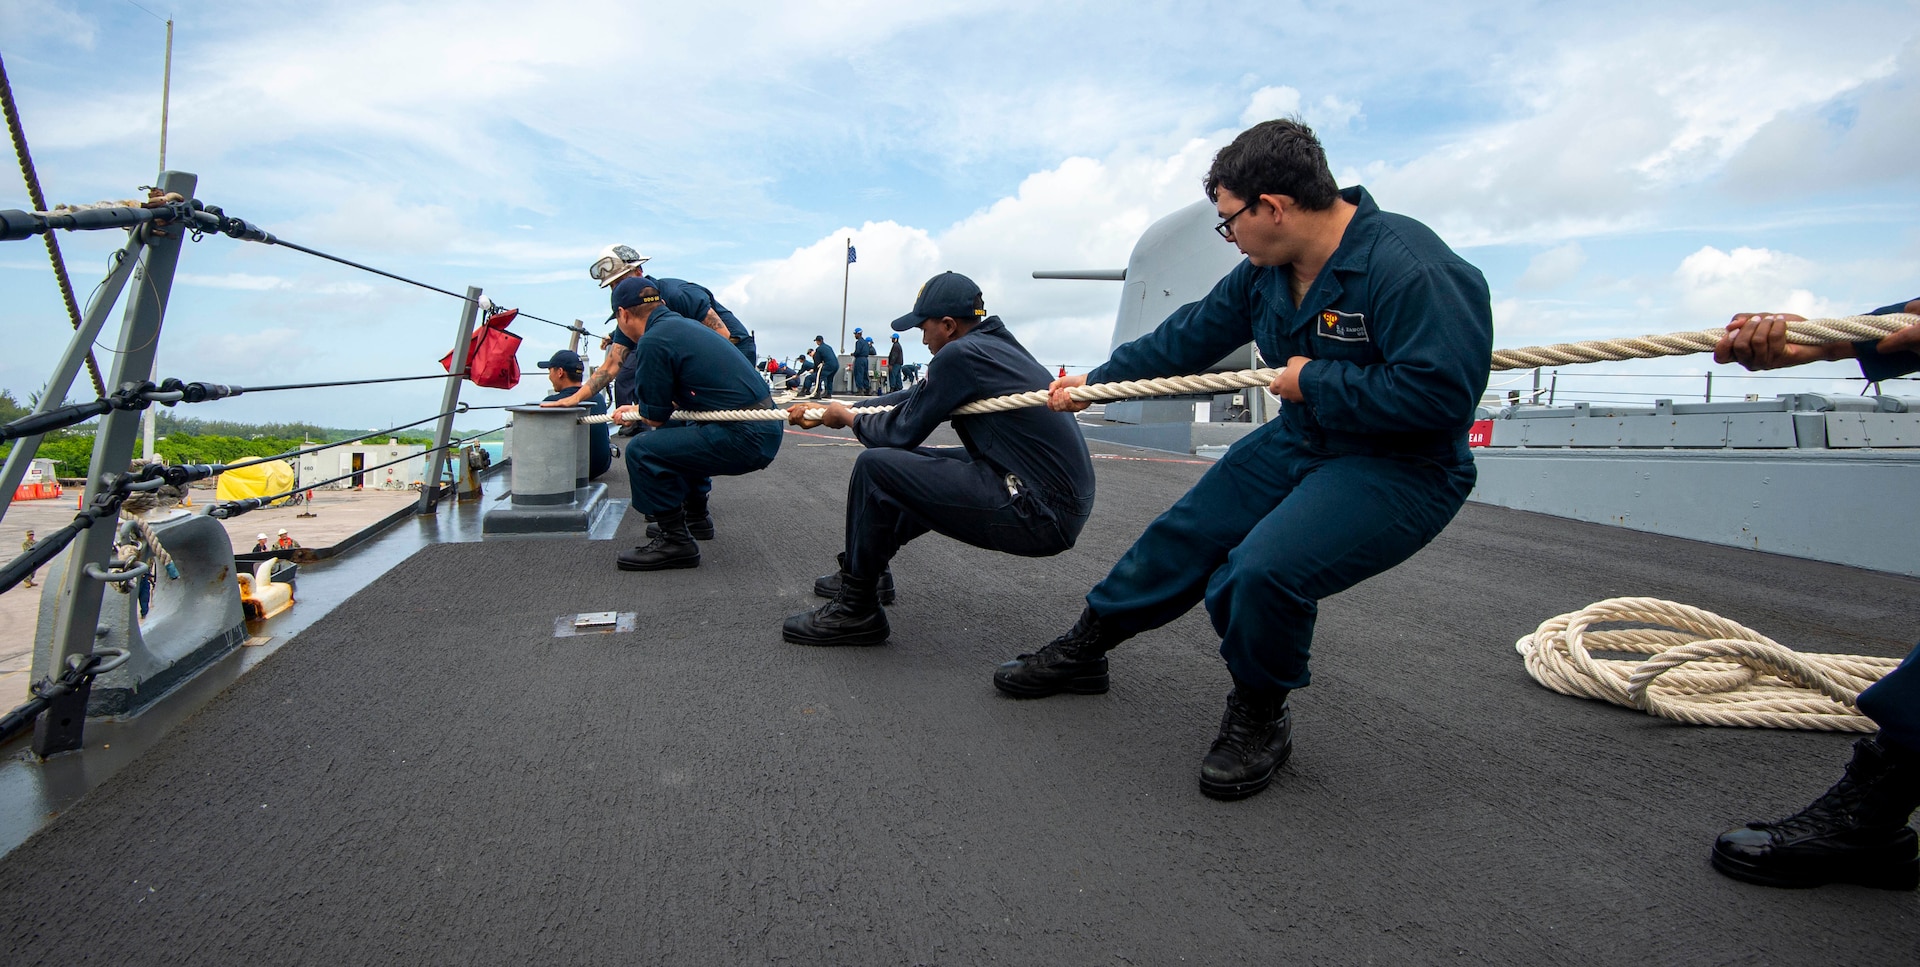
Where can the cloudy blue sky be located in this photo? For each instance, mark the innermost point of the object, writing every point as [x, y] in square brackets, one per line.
[1614, 168]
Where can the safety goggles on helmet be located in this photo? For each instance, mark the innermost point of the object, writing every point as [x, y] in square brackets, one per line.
[615, 263]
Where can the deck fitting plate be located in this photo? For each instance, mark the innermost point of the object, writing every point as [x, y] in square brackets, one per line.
[593, 623]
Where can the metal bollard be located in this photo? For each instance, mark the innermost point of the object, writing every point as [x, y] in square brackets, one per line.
[551, 494]
[583, 451]
[546, 466]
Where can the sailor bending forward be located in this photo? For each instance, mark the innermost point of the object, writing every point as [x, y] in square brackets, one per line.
[1022, 483]
[684, 365]
[1387, 337]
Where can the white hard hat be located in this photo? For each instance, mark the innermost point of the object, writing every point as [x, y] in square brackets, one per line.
[260, 537]
[616, 262]
[282, 530]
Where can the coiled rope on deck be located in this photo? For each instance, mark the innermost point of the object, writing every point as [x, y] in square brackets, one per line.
[1812, 332]
[1736, 676]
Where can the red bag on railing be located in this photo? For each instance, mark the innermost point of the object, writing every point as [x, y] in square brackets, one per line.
[492, 353]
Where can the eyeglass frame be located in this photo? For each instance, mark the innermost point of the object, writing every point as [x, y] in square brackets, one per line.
[1225, 228]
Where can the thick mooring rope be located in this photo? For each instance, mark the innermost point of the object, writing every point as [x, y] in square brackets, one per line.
[1813, 332]
[1810, 333]
[1736, 677]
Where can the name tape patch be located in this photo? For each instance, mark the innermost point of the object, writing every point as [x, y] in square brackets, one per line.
[1344, 326]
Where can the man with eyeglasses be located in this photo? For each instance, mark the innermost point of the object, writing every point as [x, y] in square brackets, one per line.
[1387, 340]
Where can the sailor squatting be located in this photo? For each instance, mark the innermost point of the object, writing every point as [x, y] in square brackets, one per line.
[1386, 335]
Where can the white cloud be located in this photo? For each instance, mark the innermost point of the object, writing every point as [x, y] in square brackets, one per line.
[1867, 137]
[1084, 213]
[1610, 133]
[244, 282]
[1552, 268]
[240, 281]
[24, 22]
[1717, 284]
[1330, 113]
[1268, 103]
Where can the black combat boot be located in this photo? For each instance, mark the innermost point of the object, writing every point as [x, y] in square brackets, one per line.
[1856, 833]
[1256, 736]
[828, 585]
[673, 548]
[1074, 662]
[853, 617]
[699, 520]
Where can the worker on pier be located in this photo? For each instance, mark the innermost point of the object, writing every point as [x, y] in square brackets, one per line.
[682, 365]
[1021, 482]
[565, 370]
[1387, 340]
[1857, 832]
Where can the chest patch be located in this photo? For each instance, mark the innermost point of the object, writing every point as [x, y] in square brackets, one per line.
[1344, 326]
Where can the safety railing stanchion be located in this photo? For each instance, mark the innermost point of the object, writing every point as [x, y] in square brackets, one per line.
[450, 400]
[61, 727]
[55, 394]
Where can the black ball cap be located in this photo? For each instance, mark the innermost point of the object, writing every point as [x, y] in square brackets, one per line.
[946, 294]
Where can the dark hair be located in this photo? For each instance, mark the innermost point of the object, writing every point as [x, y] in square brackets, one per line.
[1279, 157]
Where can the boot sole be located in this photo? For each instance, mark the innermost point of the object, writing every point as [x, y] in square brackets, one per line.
[1229, 791]
[1880, 875]
[672, 565]
[1084, 685]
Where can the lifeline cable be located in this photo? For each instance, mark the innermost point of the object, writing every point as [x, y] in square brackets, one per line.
[168, 392]
[199, 218]
[234, 508]
[344, 382]
[339, 443]
[275, 240]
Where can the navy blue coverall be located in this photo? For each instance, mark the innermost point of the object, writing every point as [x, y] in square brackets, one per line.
[826, 363]
[684, 365]
[1021, 482]
[1337, 489]
[692, 300]
[862, 364]
[1893, 703]
[599, 435]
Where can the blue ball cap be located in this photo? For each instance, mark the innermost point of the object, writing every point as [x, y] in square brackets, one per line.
[627, 292]
[946, 294]
[565, 359]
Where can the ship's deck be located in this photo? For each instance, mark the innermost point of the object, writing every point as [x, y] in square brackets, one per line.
[429, 775]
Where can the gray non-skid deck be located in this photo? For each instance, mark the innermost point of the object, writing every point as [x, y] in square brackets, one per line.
[428, 775]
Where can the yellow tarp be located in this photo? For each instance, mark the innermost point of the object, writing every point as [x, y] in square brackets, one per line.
[259, 480]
